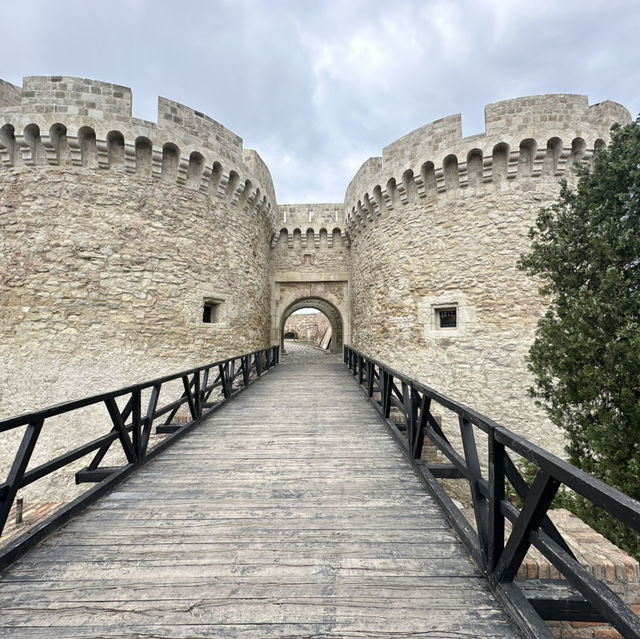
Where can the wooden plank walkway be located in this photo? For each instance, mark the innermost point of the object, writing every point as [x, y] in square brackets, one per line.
[290, 513]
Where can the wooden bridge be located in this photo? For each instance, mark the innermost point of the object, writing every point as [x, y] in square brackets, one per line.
[289, 511]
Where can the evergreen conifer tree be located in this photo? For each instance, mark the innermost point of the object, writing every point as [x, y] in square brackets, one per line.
[586, 353]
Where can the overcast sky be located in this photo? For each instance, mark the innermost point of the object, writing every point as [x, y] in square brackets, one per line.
[318, 86]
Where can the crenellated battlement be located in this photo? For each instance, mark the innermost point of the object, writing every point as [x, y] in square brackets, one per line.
[311, 225]
[528, 137]
[55, 121]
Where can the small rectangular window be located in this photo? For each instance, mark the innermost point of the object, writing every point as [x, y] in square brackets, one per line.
[447, 317]
[210, 312]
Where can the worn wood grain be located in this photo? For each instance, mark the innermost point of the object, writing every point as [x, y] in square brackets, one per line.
[290, 513]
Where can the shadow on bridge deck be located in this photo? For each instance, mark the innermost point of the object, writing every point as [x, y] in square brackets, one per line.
[289, 513]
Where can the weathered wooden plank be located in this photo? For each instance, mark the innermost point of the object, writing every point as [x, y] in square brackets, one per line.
[274, 536]
[254, 631]
[162, 569]
[243, 586]
[285, 552]
[215, 612]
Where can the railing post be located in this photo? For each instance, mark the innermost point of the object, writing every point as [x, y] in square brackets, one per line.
[369, 378]
[360, 371]
[203, 389]
[20, 463]
[197, 397]
[415, 434]
[148, 420]
[232, 372]
[137, 423]
[229, 373]
[387, 380]
[245, 369]
[421, 406]
[475, 476]
[259, 363]
[497, 496]
[407, 402]
[222, 370]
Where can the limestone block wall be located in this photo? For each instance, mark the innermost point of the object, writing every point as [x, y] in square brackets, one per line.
[310, 266]
[114, 232]
[439, 222]
[311, 238]
[308, 326]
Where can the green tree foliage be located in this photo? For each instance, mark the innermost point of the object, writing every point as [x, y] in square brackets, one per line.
[586, 353]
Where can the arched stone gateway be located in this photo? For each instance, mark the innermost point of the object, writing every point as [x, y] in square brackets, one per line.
[332, 313]
[310, 268]
[321, 297]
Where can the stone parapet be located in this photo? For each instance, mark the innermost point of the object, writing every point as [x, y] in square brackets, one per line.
[310, 225]
[56, 120]
[533, 136]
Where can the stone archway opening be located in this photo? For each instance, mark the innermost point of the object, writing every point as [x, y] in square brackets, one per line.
[325, 331]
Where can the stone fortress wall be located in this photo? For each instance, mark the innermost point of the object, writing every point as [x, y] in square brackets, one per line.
[314, 231]
[114, 232]
[310, 262]
[310, 327]
[438, 223]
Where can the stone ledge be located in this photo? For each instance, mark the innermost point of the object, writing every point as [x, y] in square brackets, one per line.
[316, 276]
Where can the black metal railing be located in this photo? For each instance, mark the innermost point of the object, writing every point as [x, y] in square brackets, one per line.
[195, 393]
[581, 597]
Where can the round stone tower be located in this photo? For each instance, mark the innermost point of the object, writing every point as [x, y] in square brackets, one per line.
[437, 225]
[128, 249]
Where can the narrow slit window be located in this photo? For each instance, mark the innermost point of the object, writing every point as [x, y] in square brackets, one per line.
[447, 317]
[210, 312]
